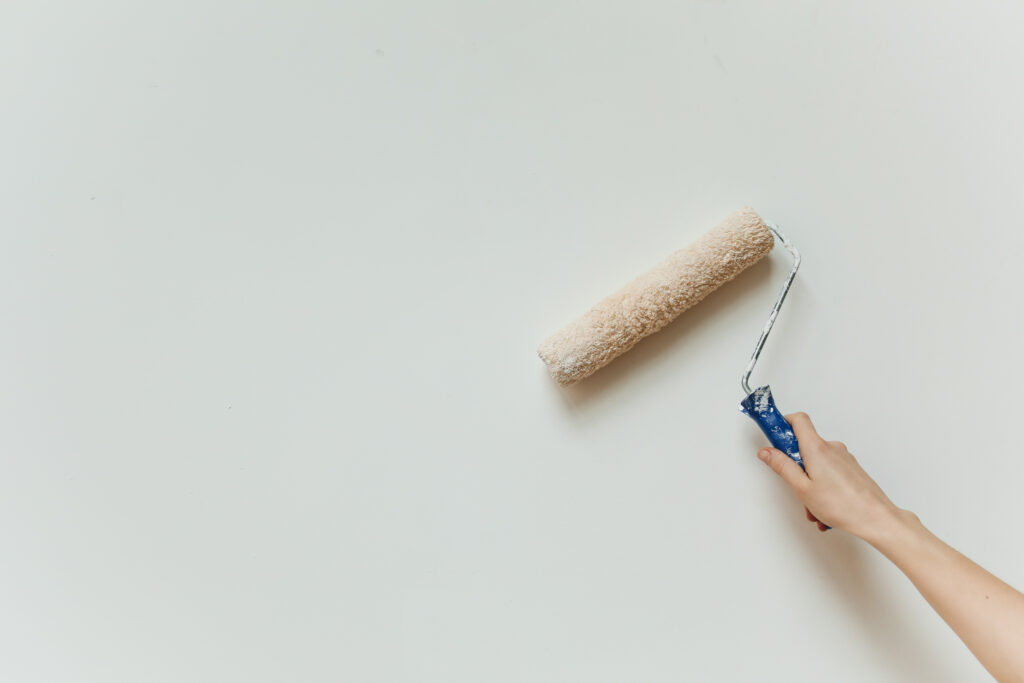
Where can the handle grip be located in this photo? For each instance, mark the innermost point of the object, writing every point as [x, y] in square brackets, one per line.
[760, 407]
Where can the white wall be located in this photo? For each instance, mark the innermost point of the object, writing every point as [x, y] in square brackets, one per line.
[273, 274]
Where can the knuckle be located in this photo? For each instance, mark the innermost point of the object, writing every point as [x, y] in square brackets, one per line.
[838, 444]
[813, 444]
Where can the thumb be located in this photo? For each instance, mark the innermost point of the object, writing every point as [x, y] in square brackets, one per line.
[784, 467]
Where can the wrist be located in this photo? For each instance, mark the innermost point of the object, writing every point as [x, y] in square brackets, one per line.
[891, 527]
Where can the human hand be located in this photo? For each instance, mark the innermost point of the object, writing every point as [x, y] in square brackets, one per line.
[835, 490]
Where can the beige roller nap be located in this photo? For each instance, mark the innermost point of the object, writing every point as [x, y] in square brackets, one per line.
[656, 298]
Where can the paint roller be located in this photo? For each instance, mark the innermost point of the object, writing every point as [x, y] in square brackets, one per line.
[660, 295]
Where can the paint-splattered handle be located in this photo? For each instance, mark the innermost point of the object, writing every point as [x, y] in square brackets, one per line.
[760, 407]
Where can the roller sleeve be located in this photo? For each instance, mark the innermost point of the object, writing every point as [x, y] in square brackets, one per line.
[656, 298]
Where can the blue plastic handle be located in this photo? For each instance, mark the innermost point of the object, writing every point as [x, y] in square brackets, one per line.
[760, 407]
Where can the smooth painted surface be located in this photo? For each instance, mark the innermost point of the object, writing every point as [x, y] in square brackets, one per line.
[273, 274]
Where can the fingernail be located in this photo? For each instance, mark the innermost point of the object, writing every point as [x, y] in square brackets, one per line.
[763, 454]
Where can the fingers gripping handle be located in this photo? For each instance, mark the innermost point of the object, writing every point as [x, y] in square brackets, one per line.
[760, 407]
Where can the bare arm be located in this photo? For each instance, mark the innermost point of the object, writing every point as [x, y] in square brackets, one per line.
[985, 612]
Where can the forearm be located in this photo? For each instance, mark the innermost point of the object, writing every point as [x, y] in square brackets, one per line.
[985, 612]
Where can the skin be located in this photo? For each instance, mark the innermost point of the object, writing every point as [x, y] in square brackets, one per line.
[985, 612]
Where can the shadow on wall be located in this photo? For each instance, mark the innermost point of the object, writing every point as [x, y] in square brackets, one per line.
[607, 381]
[909, 654]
